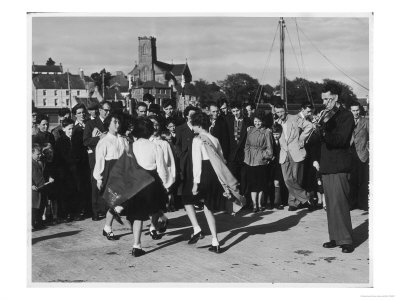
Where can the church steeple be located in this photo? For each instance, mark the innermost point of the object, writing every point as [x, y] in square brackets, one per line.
[147, 50]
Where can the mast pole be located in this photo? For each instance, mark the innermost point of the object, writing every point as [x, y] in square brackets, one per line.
[282, 60]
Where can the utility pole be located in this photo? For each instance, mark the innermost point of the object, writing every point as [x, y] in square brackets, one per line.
[282, 27]
[102, 78]
[69, 90]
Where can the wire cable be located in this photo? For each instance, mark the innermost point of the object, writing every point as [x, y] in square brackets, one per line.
[333, 64]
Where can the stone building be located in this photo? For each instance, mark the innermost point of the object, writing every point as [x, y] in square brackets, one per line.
[160, 79]
[50, 92]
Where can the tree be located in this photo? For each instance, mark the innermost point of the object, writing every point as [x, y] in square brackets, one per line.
[240, 87]
[208, 91]
[98, 79]
[50, 62]
[347, 95]
[300, 90]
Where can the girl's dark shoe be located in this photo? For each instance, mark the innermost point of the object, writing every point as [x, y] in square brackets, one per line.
[195, 237]
[136, 252]
[280, 206]
[154, 235]
[256, 210]
[110, 235]
[215, 249]
[164, 227]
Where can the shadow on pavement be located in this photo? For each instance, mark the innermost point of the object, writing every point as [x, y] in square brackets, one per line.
[360, 233]
[54, 236]
[280, 225]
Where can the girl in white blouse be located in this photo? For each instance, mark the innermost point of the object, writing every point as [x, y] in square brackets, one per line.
[152, 198]
[206, 184]
[171, 176]
[110, 147]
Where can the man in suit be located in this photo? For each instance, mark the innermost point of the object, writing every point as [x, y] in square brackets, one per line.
[295, 132]
[359, 177]
[219, 127]
[237, 132]
[80, 158]
[335, 167]
[93, 133]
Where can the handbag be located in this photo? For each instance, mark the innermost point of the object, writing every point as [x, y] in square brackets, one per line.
[126, 179]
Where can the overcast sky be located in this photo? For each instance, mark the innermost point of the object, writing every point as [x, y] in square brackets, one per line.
[213, 46]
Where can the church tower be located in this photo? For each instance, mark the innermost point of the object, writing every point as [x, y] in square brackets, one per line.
[147, 57]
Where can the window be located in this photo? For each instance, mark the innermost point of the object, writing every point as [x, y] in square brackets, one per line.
[67, 93]
[55, 92]
[44, 101]
[55, 102]
[44, 92]
[78, 93]
[145, 74]
[67, 102]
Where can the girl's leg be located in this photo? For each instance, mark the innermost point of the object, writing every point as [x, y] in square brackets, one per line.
[254, 199]
[211, 223]
[137, 233]
[277, 187]
[192, 217]
[260, 198]
[109, 220]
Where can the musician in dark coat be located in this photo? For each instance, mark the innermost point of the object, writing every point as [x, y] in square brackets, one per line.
[335, 167]
[93, 132]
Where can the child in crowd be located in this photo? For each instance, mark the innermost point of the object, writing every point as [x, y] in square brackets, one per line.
[37, 182]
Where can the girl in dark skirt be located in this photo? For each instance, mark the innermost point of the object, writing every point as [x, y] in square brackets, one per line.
[206, 185]
[258, 152]
[108, 150]
[152, 198]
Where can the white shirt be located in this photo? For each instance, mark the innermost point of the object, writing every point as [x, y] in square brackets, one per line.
[151, 157]
[108, 148]
[79, 123]
[168, 159]
[199, 153]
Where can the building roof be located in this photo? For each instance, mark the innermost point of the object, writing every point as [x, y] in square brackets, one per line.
[58, 81]
[45, 69]
[86, 101]
[178, 70]
[121, 82]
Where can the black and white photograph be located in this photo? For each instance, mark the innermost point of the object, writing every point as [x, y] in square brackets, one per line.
[200, 149]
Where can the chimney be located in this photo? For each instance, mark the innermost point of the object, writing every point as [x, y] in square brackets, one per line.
[81, 74]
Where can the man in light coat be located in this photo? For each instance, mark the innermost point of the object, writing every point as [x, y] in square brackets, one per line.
[296, 130]
[359, 146]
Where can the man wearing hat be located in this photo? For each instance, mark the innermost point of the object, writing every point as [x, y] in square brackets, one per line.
[93, 109]
[94, 131]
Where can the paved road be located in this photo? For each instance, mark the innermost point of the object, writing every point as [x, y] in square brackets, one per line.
[269, 247]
